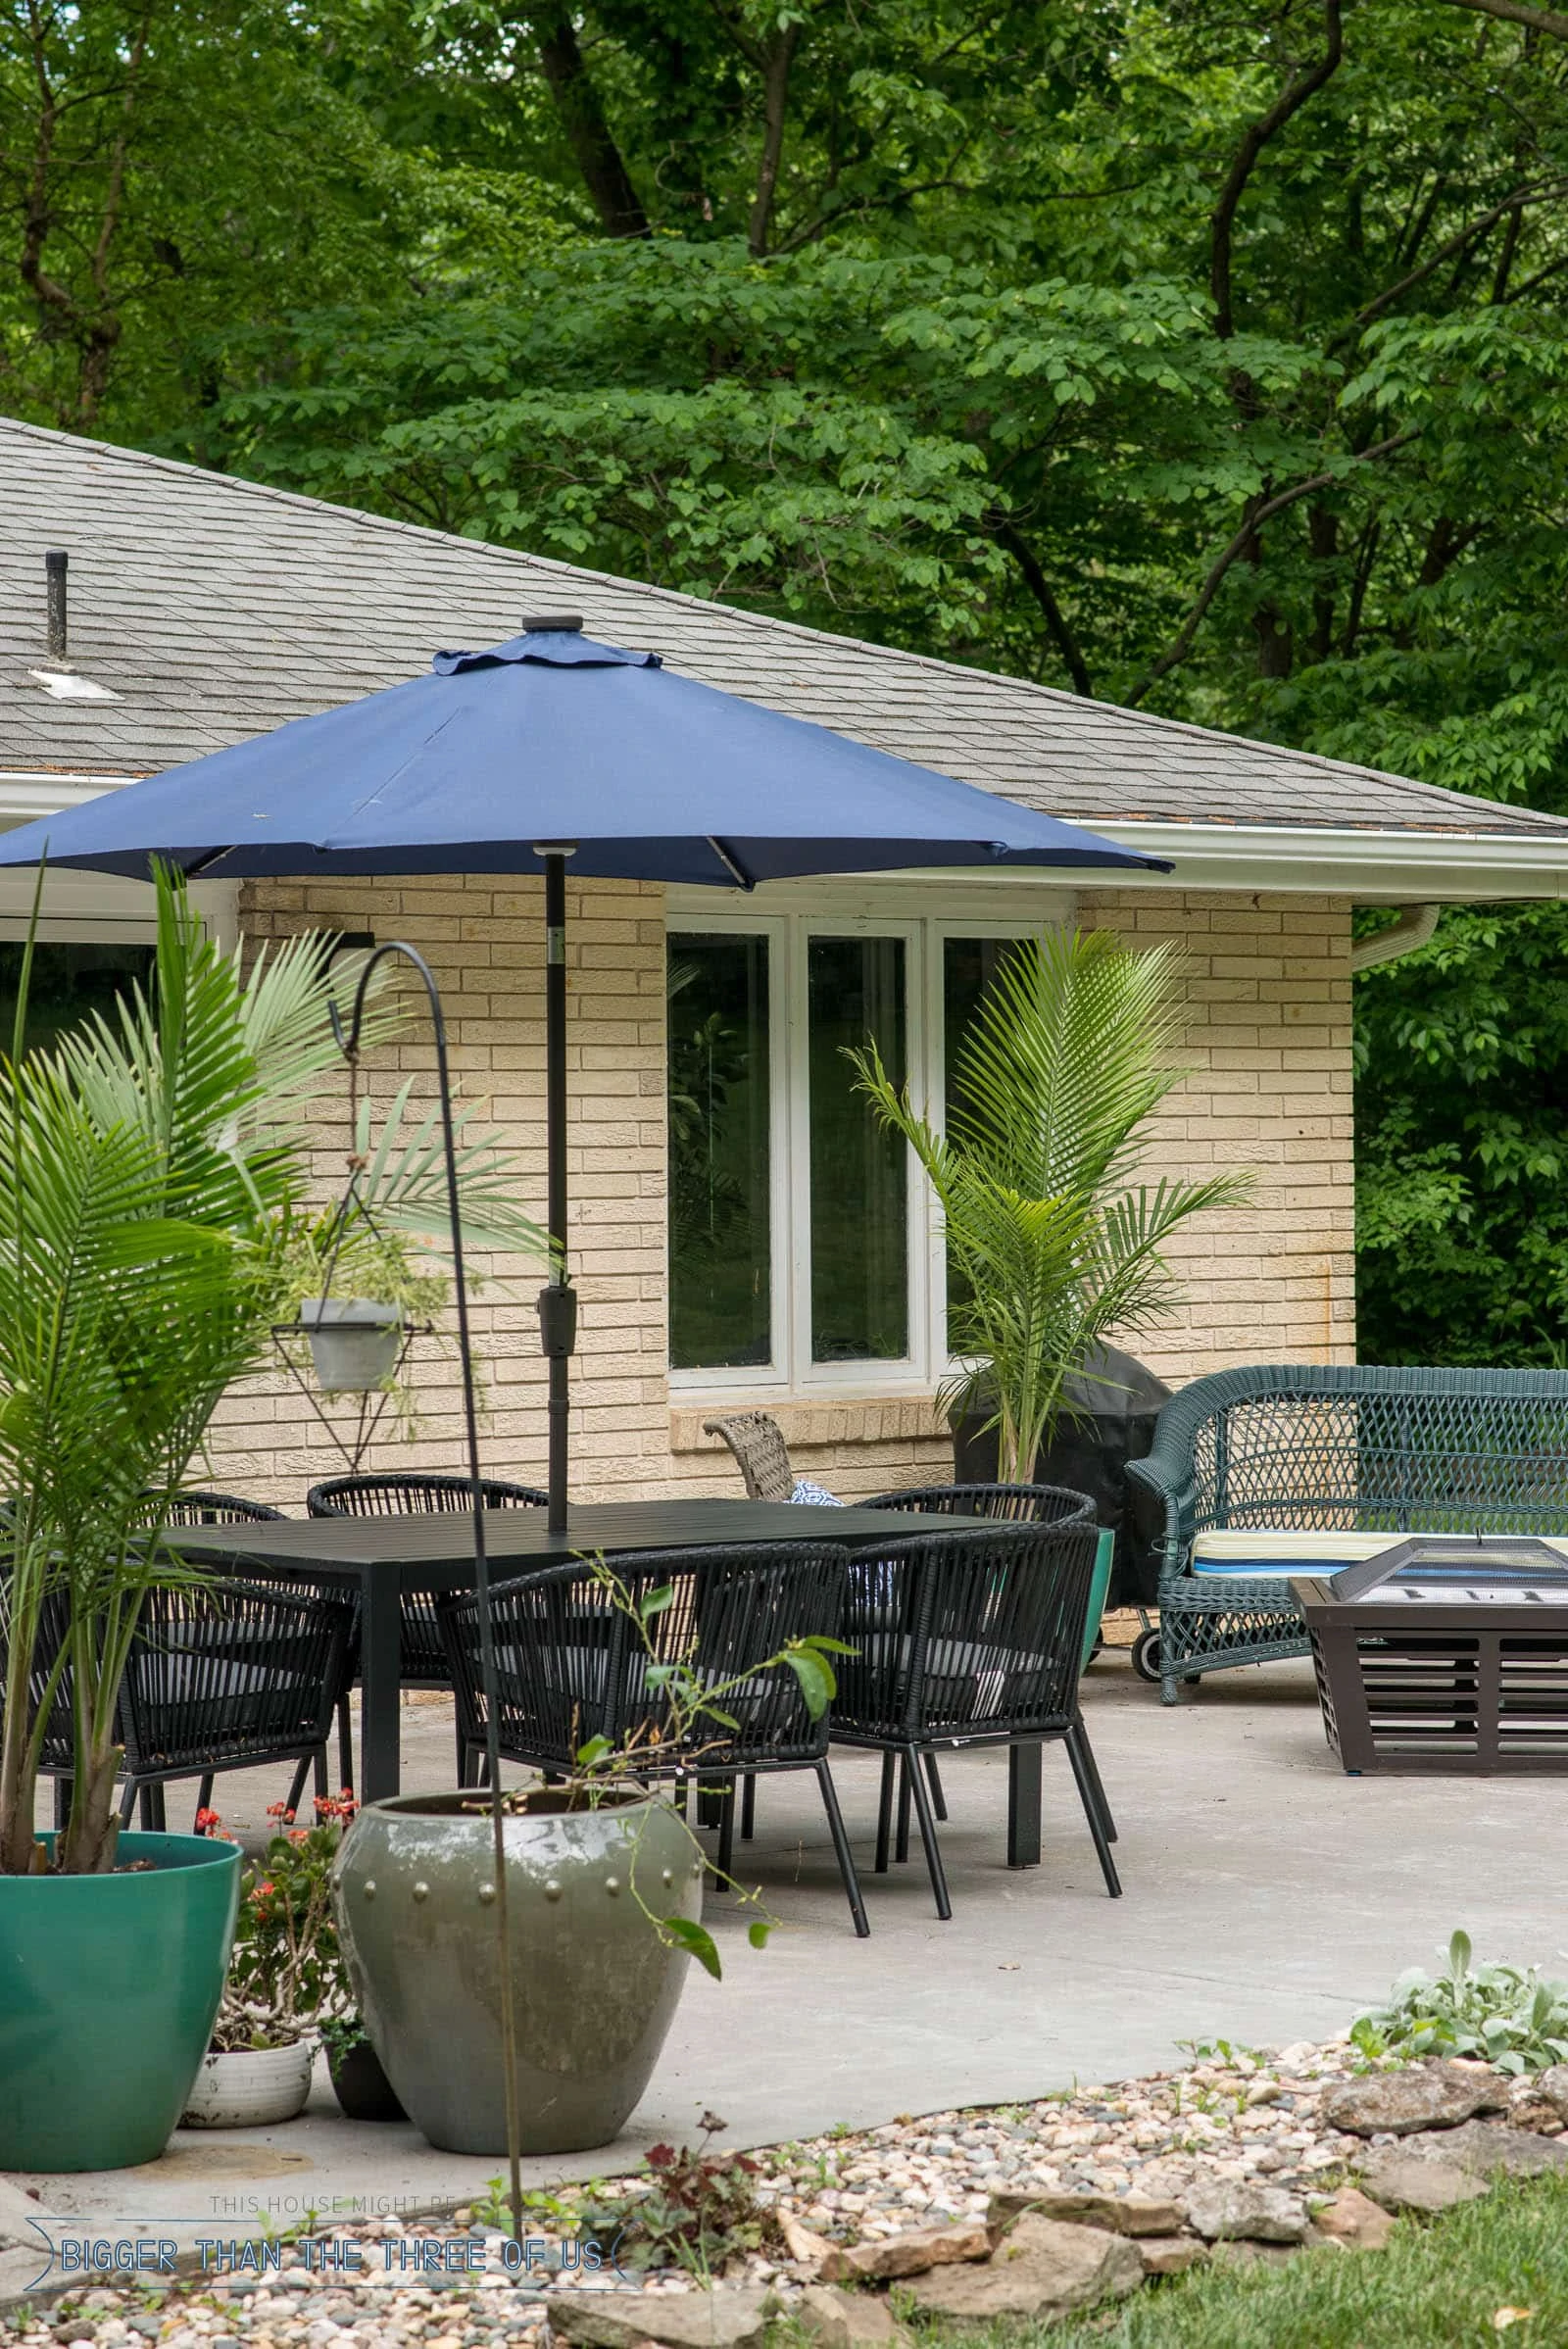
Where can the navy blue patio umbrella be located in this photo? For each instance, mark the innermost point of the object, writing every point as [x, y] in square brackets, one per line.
[514, 760]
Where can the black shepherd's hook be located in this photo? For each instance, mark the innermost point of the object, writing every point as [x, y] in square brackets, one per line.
[348, 1044]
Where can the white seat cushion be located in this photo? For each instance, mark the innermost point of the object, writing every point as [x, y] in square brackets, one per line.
[1273, 1553]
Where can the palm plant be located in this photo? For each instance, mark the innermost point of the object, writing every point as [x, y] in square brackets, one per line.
[1054, 1244]
[153, 1178]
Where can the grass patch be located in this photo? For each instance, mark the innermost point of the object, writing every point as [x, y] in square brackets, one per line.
[1440, 2284]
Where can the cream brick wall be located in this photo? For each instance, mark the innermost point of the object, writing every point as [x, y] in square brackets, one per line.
[1268, 1048]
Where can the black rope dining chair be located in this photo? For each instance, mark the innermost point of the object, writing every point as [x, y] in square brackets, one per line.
[570, 1667]
[1034, 1504]
[222, 1675]
[968, 1638]
[410, 1492]
[194, 1506]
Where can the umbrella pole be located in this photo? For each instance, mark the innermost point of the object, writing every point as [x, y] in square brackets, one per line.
[557, 1303]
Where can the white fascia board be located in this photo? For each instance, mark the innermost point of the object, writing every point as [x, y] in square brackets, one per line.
[1393, 867]
[26, 792]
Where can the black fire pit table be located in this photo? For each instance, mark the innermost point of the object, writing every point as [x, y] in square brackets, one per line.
[381, 1558]
[1444, 1653]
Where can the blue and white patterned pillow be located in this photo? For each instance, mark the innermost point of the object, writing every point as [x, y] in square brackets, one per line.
[814, 1497]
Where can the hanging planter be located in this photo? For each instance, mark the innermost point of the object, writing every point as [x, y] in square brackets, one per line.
[354, 1343]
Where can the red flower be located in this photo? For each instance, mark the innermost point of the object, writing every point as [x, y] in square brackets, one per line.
[280, 1810]
[206, 1821]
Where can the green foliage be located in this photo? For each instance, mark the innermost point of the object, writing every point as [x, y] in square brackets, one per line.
[286, 1976]
[1067, 1057]
[1510, 2016]
[154, 1170]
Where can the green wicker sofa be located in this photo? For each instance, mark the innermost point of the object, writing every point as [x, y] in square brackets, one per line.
[1288, 1447]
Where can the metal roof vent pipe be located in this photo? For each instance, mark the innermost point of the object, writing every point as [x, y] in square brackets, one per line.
[55, 563]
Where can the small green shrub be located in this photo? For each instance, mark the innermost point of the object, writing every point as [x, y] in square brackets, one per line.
[1510, 2016]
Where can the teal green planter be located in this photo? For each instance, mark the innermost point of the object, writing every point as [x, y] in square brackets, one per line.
[108, 1987]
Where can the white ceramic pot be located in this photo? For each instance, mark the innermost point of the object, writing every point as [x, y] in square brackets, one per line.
[354, 1342]
[251, 2087]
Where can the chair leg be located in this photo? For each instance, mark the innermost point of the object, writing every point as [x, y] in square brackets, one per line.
[938, 1801]
[1092, 1772]
[462, 1751]
[841, 1848]
[1077, 1752]
[901, 1843]
[726, 1831]
[710, 1803]
[914, 1778]
[154, 1818]
[748, 1806]
[884, 1813]
[297, 1784]
[204, 1793]
[345, 1748]
[128, 1803]
[63, 1787]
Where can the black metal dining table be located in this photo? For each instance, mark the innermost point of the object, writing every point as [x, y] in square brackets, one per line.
[381, 1558]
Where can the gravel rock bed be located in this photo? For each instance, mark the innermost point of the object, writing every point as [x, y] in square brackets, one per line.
[1233, 2132]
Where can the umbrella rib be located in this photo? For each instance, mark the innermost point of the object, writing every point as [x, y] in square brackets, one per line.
[731, 863]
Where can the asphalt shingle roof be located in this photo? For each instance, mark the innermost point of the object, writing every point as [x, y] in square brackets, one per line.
[214, 608]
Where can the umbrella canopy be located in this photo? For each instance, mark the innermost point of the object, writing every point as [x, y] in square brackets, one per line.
[511, 760]
[651, 776]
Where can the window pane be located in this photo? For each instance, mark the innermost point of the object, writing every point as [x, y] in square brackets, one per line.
[968, 968]
[859, 1220]
[68, 983]
[720, 1249]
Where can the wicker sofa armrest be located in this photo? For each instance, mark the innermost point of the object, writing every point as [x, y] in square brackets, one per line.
[1166, 1471]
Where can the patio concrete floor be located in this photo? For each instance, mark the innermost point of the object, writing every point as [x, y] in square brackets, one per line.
[1266, 1896]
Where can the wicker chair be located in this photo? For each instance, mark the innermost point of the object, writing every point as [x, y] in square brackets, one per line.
[412, 1493]
[1296, 1448]
[969, 1638]
[223, 1674]
[571, 1668]
[758, 1442]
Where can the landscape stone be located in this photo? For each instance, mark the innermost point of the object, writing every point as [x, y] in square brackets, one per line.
[1484, 2147]
[847, 2320]
[1355, 2218]
[1170, 2254]
[728, 2318]
[910, 2253]
[1418, 2096]
[1552, 2087]
[1241, 2211]
[1406, 2182]
[1124, 2214]
[807, 2249]
[1044, 2269]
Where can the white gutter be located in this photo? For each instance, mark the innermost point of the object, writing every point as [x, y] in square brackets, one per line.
[26, 792]
[1401, 867]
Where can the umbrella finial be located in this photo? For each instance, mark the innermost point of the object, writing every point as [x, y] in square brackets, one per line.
[558, 623]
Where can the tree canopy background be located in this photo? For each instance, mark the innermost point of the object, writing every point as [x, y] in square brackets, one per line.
[1210, 357]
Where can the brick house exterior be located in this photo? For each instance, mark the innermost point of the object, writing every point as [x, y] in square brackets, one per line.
[208, 609]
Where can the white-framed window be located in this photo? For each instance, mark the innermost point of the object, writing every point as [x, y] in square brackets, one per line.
[805, 1251]
[94, 938]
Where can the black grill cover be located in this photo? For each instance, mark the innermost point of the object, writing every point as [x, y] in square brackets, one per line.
[1118, 1403]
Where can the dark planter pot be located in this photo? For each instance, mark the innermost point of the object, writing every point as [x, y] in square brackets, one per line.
[594, 1989]
[109, 1989]
[361, 2086]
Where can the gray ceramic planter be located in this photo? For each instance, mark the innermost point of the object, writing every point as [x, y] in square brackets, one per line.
[594, 1988]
